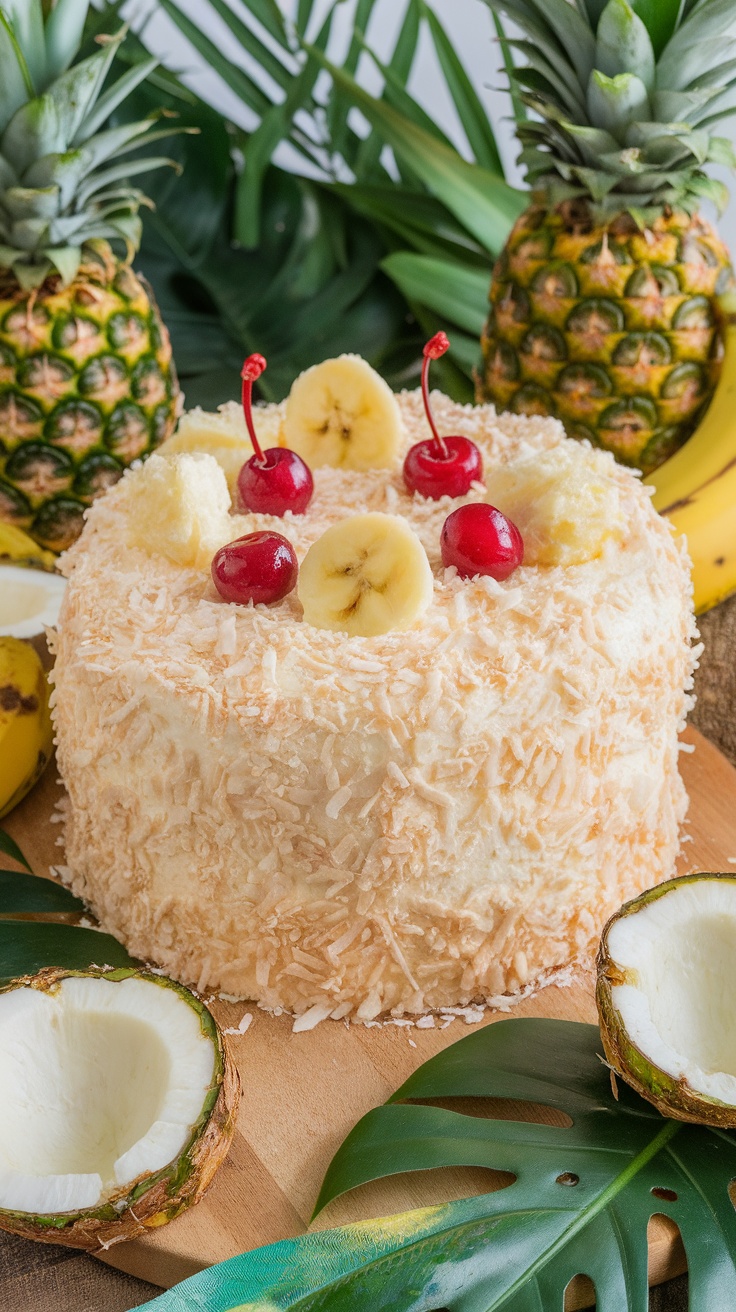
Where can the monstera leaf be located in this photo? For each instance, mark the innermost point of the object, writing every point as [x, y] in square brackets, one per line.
[580, 1202]
[32, 935]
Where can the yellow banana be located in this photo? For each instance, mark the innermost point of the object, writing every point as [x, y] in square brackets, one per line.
[26, 738]
[17, 548]
[696, 488]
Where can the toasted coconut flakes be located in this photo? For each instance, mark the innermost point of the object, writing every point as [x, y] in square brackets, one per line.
[534, 722]
[338, 800]
[344, 848]
[319, 1012]
[426, 790]
[336, 949]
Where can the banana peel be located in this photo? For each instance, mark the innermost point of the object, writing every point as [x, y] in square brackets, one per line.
[26, 735]
[16, 548]
[696, 488]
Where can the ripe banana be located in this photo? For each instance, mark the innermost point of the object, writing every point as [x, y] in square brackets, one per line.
[26, 739]
[365, 576]
[342, 413]
[17, 548]
[696, 488]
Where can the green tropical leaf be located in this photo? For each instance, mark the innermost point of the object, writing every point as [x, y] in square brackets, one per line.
[535, 26]
[482, 201]
[274, 127]
[455, 292]
[281, 67]
[394, 93]
[303, 15]
[191, 207]
[308, 253]
[9, 847]
[466, 100]
[344, 142]
[660, 17]
[422, 223]
[26, 946]
[311, 289]
[270, 17]
[580, 1202]
[234, 77]
[519, 108]
[28, 895]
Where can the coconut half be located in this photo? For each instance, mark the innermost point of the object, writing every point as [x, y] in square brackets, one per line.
[118, 1100]
[30, 600]
[665, 992]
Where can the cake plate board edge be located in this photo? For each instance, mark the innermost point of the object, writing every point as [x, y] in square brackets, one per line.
[303, 1092]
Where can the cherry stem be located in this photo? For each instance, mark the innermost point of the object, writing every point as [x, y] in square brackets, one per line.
[252, 369]
[435, 348]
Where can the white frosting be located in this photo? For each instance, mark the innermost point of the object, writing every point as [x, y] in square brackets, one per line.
[410, 821]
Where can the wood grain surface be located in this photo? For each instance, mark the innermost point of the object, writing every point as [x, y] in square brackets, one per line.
[303, 1092]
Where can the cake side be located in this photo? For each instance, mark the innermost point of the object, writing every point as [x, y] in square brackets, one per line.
[363, 825]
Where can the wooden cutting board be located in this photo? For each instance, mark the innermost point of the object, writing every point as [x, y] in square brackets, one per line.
[302, 1093]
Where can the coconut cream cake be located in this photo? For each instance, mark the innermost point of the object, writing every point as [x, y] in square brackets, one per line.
[351, 825]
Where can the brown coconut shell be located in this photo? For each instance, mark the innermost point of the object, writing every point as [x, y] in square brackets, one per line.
[674, 1098]
[152, 1199]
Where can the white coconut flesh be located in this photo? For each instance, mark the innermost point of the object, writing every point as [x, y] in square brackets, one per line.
[100, 1082]
[30, 600]
[677, 1007]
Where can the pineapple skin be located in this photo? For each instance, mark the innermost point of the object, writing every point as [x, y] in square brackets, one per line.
[87, 385]
[614, 331]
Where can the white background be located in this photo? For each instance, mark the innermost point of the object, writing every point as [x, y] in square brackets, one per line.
[468, 23]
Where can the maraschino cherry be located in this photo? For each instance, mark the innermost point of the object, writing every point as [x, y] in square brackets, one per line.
[440, 466]
[260, 567]
[276, 480]
[477, 539]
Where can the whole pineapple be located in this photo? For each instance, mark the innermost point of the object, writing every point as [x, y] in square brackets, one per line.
[87, 382]
[603, 303]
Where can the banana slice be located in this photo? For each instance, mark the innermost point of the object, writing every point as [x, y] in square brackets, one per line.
[342, 413]
[365, 576]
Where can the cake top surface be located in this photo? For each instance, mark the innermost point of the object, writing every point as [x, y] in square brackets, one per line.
[138, 606]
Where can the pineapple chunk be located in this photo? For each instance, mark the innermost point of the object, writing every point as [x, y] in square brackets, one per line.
[224, 435]
[179, 508]
[563, 502]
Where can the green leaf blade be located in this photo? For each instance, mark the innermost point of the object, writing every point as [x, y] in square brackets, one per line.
[660, 17]
[482, 201]
[455, 292]
[28, 946]
[471, 113]
[28, 894]
[9, 847]
[515, 1249]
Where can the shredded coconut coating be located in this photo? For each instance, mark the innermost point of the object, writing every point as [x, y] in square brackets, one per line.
[370, 825]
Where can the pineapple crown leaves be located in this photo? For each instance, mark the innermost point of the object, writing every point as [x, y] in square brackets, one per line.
[63, 175]
[626, 98]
